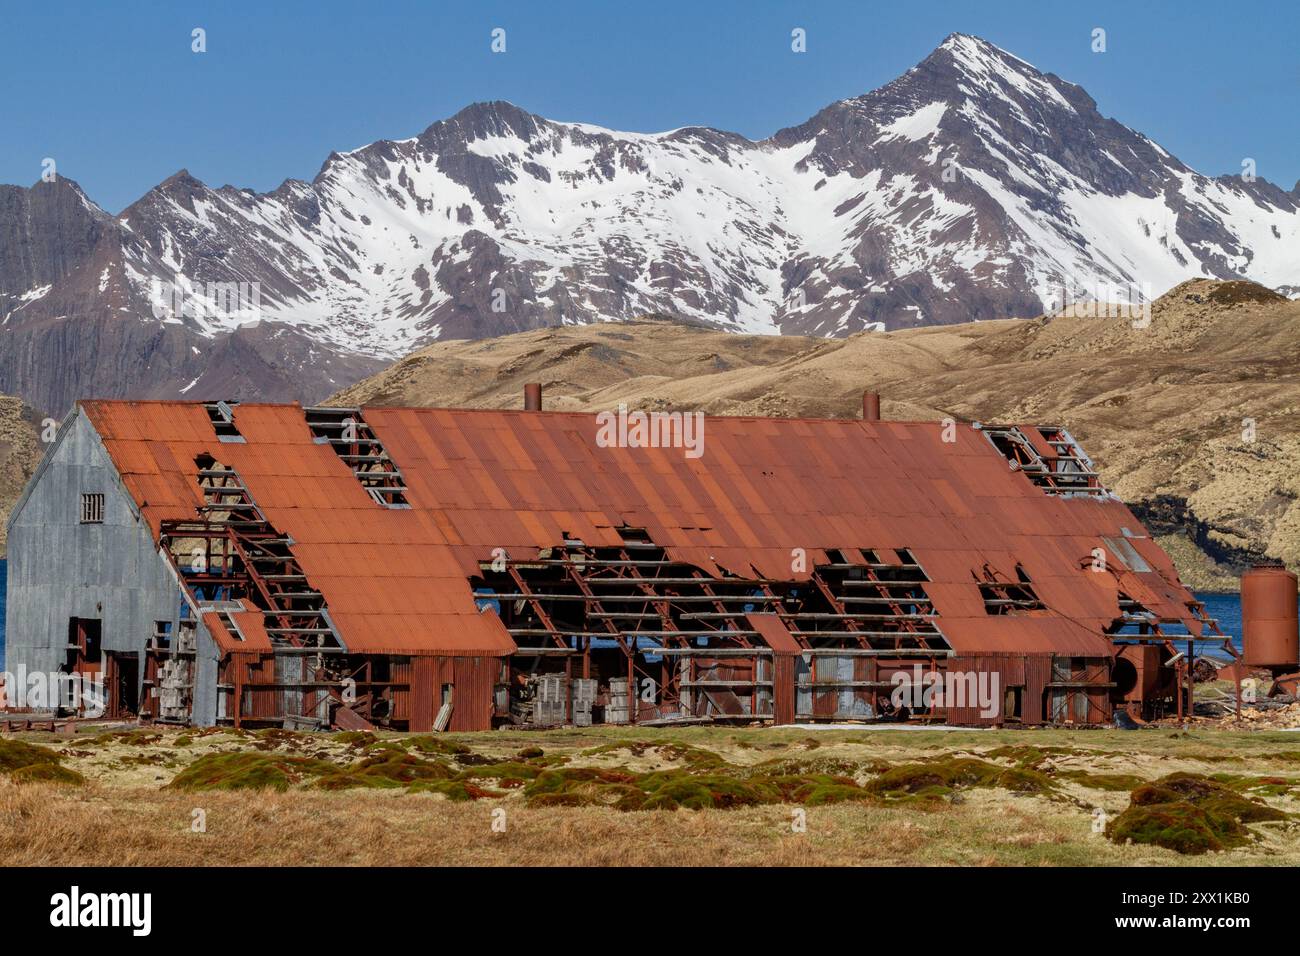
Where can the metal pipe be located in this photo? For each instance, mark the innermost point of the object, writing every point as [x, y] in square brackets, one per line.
[871, 406]
[533, 397]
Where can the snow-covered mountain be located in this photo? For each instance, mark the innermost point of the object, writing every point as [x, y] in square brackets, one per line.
[972, 187]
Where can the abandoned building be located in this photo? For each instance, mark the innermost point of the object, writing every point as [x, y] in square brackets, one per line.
[419, 568]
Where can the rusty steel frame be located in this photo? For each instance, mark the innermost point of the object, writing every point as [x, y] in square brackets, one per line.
[256, 562]
[565, 590]
[1067, 470]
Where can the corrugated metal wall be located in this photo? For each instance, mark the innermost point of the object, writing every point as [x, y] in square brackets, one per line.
[472, 681]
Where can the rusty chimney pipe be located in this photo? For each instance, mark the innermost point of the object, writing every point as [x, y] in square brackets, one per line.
[533, 397]
[871, 406]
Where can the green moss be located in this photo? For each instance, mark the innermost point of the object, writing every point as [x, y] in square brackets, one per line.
[1189, 814]
[939, 776]
[817, 789]
[135, 738]
[719, 788]
[429, 744]
[386, 769]
[557, 781]
[1265, 786]
[1175, 825]
[248, 771]
[47, 773]
[15, 754]
[707, 791]
[695, 757]
[837, 766]
[32, 763]
[1018, 780]
[273, 738]
[395, 746]
[1114, 782]
[948, 771]
[1032, 757]
[458, 790]
[506, 770]
[357, 738]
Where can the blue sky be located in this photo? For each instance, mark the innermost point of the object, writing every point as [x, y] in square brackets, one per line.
[114, 94]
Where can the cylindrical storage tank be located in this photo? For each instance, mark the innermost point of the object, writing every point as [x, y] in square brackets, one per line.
[1270, 631]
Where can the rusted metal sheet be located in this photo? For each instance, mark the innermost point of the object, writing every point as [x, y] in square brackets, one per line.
[1038, 672]
[250, 630]
[473, 680]
[423, 706]
[255, 695]
[774, 633]
[783, 692]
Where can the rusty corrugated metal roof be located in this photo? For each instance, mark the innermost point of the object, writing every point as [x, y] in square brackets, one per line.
[396, 580]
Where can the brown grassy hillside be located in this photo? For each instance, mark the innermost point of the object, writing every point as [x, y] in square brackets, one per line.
[1160, 408]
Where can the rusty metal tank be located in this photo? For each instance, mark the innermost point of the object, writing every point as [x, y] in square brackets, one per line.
[1269, 625]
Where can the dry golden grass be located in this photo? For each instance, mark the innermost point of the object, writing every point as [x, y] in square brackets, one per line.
[124, 817]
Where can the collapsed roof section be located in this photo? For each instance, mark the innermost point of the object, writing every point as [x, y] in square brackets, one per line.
[391, 530]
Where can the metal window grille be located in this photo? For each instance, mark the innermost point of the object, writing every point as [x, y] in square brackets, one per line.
[92, 509]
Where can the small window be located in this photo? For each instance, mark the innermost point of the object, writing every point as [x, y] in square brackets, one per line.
[92, 509]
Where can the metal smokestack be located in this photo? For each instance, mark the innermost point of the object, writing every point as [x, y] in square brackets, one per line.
[871, 406]
[533, 397]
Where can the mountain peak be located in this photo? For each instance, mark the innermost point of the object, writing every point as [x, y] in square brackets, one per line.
[485, 119]
[987, 63]
[180, 181]
[966, 68]
[974, 186]
[967, 46]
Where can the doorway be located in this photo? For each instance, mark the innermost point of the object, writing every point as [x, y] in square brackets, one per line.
[122, 681]
[84, 664]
